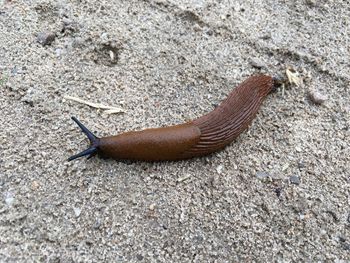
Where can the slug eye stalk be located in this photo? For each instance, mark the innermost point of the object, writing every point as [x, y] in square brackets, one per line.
[92, 150]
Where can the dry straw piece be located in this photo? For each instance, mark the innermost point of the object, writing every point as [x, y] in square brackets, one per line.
[107, 109]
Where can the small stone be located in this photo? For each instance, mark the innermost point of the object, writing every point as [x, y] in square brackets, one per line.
[31, 97]
[317, 97]
[77, 211]
[184, 178]
[311, 3]
[66, 21]
[266, 36]
[257, 63]
[78, 42]
[342, 239]
[278, 191]
[45, 38]
[197, 28]
[34, 185]
[112, 56]
[262, 175]
[69, 25]
[219, 169]
[97, 224]
[105, 38]
[152, 206]
[294, 179]
[9, 199]
[301, 164]
[14, 71]
[58, 52]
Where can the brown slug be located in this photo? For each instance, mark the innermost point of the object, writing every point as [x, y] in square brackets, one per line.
[199, 137]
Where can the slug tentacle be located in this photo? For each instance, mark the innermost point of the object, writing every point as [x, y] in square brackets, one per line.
[91, 151]
[94, 142]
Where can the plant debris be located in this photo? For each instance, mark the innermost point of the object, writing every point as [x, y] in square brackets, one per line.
[107, 109]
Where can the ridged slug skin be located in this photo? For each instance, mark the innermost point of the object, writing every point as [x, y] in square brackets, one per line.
[227, 121]
[199, 137]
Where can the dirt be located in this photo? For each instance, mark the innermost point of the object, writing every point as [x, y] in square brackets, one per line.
[280, 192]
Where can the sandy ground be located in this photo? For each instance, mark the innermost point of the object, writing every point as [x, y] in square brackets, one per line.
[279, 193]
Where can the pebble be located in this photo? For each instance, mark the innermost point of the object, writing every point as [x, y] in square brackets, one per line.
[262, 175]
[317, 97]
[69, 25]
[45, 38]
[97, 224]
[294, 179]
[219, 169]
[30, 97]
[34, 185]
[323, 232]
[278, 191]
[257, 63]
[112, 56]
[9, 199]
[301, 164]
[342, 239]
[152, 207]
[58, 52]
[77, 211]
[311, 3]
[184, 178]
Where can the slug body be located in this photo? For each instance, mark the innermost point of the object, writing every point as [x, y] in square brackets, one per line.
[199, 137]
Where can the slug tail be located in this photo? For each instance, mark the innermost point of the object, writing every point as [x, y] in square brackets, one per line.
[92, 150]
[225, 123]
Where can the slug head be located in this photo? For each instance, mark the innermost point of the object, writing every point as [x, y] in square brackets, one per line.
[94, 142]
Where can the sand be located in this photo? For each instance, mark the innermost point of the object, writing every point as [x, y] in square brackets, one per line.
[279, 193]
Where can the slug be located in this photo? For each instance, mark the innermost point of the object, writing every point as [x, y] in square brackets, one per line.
[196, 138]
